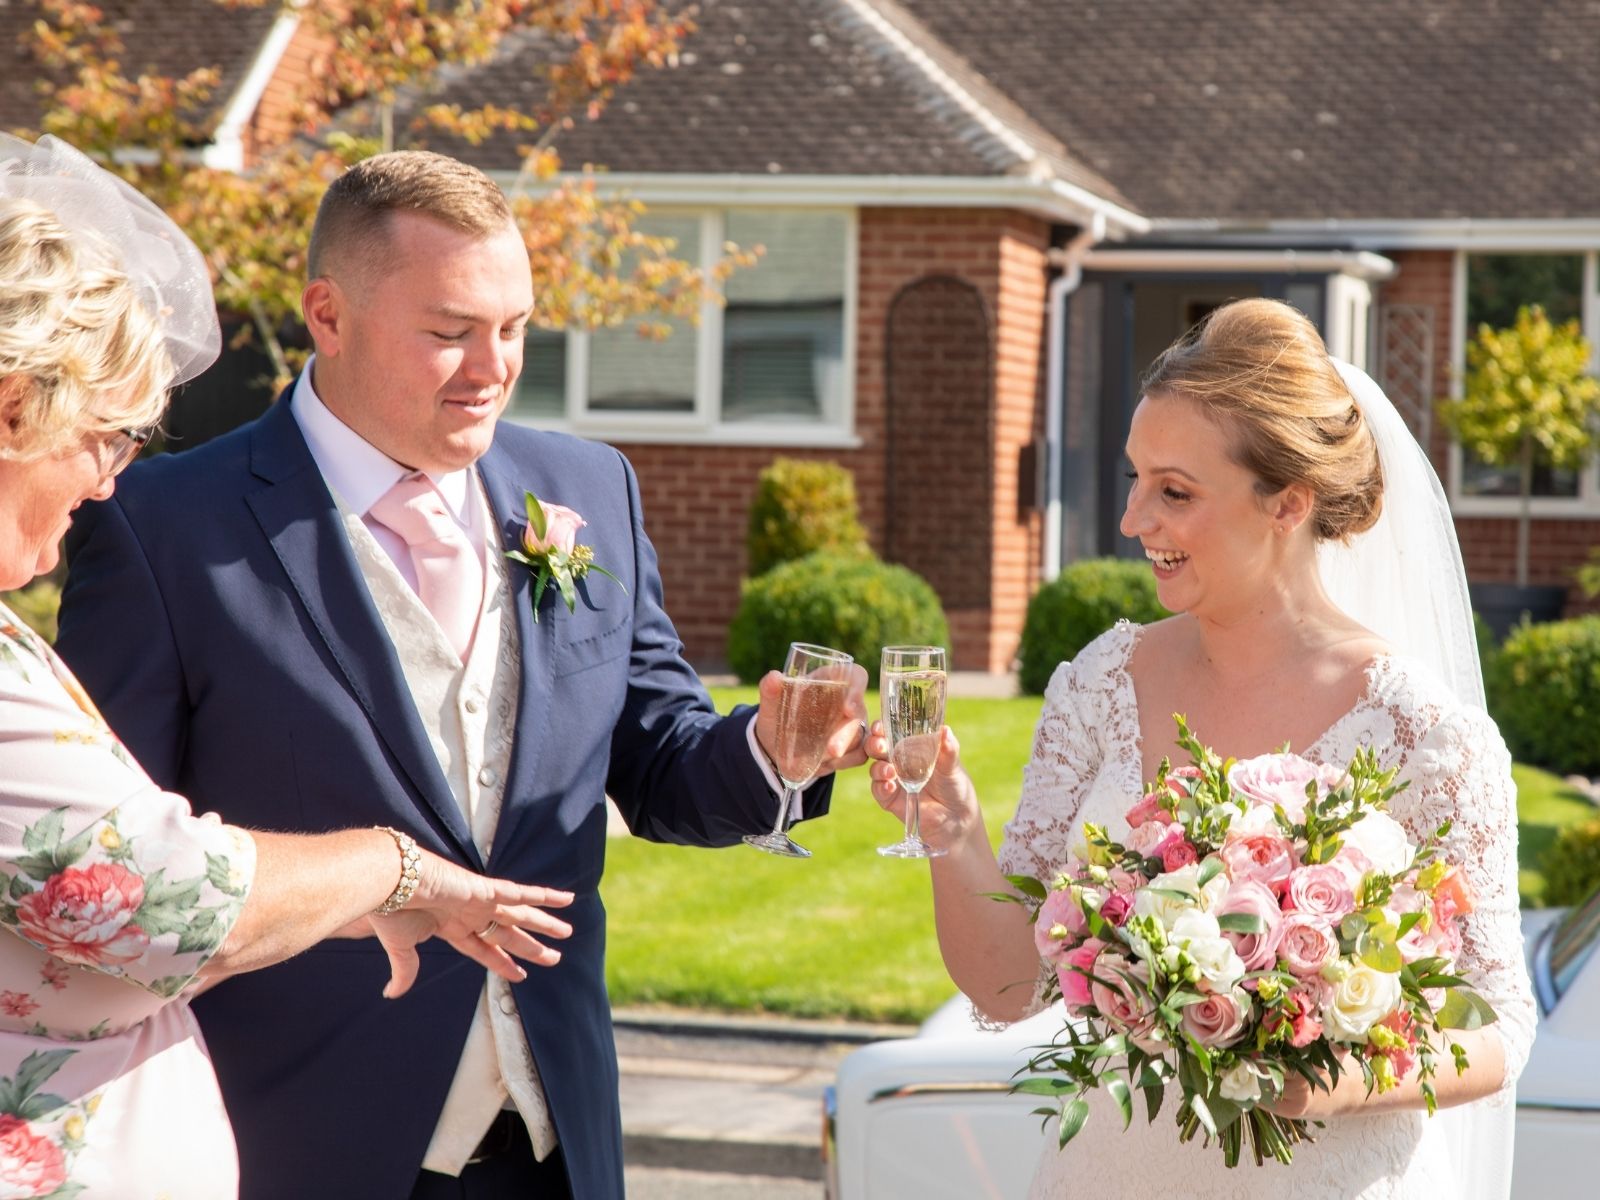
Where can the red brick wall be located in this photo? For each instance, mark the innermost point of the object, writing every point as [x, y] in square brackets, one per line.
[697, 497]
[273, 120]
[1488, 544]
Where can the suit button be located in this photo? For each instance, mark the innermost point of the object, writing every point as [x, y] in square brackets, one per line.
[487, 777]
[508, 1005]
[473, 705]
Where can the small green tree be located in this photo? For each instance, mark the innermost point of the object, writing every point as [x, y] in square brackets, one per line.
[801, 507]
[1528, 397]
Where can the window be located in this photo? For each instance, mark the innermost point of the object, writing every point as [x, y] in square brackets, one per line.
[1497, 285]
[773, 365]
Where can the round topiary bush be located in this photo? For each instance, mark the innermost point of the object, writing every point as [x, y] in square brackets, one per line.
[1544, 683]
[800, 508]
[849, 602]
[1572, 864]
[1080, 604]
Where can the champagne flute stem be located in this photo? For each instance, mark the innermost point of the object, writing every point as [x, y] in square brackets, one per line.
[781, 825]
[913, 815]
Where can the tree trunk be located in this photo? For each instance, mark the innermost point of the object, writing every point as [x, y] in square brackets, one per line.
[1525, 516]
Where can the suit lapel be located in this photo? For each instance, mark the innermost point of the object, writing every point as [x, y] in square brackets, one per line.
[298, 516]
[505, 482]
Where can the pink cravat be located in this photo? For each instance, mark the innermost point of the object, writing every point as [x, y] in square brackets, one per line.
[449, 571]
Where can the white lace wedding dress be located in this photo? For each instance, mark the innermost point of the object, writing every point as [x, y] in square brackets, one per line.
[1086, 766]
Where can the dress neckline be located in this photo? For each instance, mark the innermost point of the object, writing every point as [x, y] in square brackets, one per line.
[1377, 665]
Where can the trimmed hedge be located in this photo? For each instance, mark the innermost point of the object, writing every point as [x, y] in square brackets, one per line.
[800, 508]
[1080, 604]
[851, 603]
[1572, 864]
[1544, 688]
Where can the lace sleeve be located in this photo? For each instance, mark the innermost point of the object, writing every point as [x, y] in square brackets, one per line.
[1459, 769]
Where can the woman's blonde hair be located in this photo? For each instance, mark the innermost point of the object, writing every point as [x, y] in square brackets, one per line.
[78, 346]
[1261, 368]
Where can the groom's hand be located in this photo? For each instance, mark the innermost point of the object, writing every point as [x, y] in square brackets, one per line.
[845, 748]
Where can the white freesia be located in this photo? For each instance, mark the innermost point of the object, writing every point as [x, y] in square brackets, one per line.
[1359, 1001]
[1240, 1083]
[1383, 840]
[1214, 956]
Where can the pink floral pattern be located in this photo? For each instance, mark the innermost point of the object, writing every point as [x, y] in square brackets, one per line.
[105, 882]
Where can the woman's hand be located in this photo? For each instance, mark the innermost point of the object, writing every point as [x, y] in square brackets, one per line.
[491, 921]
[949, 811]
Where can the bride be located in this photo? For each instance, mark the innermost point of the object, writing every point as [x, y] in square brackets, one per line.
[1296, 528]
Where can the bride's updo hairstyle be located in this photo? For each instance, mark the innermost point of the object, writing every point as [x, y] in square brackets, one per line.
[1260, 368]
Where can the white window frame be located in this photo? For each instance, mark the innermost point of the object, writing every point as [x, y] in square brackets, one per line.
[704, 425]
[1586, 504]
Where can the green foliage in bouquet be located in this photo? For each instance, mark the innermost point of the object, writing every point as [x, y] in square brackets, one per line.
[37, 605]
[1544, 690]
[1572, 864]
[1080, 604]
[800, 508]
[851, 603]
[1528, 399]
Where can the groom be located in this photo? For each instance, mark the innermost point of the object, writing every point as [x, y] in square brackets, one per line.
[310, 624]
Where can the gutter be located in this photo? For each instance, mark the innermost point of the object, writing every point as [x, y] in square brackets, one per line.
[1360, 264]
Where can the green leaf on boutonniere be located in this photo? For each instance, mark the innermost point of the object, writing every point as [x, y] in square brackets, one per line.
[539, 585]
[536, 520]
[569, 590]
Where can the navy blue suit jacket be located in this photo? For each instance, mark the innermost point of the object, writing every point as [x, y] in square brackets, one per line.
[215, 611]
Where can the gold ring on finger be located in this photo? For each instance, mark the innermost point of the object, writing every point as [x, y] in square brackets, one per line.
[487, 929]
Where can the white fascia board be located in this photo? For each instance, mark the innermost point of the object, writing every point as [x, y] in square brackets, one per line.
[1362, 264]
[1576, 233]
[1052, 199]
[226, 150]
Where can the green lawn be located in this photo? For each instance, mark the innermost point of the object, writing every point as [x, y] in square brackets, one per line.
[847, 933]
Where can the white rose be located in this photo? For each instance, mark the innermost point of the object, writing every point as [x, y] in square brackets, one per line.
[1201, 938]
[1148, 902]
[1383, 840]
[1358, 1002]
[1240, 1083]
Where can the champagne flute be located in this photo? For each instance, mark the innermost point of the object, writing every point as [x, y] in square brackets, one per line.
[913, 681]
[816, 683]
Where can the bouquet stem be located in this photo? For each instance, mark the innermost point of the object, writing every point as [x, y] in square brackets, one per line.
[1271, 1136]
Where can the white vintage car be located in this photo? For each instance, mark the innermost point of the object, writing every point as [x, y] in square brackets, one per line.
[933, 1115]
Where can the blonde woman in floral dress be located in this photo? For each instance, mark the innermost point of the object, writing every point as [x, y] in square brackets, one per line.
[1294, 525]
[116, 901]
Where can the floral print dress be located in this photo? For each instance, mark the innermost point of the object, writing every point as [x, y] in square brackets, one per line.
[112, 896]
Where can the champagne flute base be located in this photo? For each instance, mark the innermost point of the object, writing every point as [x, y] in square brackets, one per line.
[777, 843]
[912, 848]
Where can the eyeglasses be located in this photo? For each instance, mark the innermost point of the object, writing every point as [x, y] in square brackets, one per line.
[125, 445]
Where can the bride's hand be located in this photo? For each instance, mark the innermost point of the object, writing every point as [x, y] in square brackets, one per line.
[949, 809]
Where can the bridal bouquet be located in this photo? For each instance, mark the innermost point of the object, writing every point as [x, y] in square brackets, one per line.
[1260, 919]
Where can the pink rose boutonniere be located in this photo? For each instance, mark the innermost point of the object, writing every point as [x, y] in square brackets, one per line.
[550, 549]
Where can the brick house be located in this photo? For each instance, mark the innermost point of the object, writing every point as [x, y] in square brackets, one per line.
[984, 218]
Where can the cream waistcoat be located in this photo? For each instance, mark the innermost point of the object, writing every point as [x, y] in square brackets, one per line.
[469, 711]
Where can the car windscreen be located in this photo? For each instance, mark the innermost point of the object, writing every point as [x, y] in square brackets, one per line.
[1569, 947]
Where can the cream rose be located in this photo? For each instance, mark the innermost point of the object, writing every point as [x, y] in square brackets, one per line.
[1383, 841]
[1240, 1083]
[1358, 1002]
[1199, 935]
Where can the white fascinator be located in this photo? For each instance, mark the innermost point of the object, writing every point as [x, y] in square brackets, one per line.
[109, 217]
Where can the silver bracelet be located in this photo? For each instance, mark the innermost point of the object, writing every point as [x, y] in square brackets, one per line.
[410, 859]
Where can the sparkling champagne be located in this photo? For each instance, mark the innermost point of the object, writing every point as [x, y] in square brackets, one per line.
[809, 710]
[913, 710]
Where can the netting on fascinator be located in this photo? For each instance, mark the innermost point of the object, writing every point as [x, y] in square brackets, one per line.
[109, 217]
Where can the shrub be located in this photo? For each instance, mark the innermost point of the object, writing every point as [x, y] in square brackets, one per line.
[37, 605]
[800, 508]
[1080, 604]
[846, 601]
[1572, 864]
[1545, 684]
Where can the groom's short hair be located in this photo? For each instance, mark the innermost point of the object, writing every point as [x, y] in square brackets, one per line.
[352, 224]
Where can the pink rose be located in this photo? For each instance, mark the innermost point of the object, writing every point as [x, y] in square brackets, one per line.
[1073, 974]
[1281, 779]
[1353, 863]
[561, 527]
[1217, 1020]
[1116, 908]
[1144, 839]
[1176, 853]
[1122, 999]
[1257, 849]
[1306, 944]
[30, 1163]
[1454, 890]
[1258, 951]
[1061, 923]
[84, 915]
[1321, 891]
[1181, 780]
[1148, 810]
